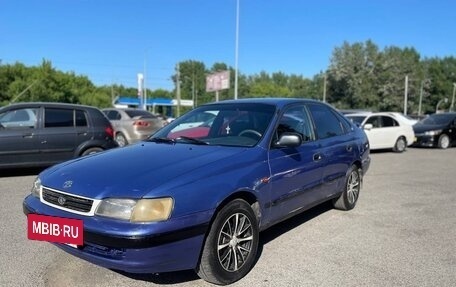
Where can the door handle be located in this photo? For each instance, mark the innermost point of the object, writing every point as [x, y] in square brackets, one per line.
[317, 157]
[82, 134]
[27, 136]
[349, 148]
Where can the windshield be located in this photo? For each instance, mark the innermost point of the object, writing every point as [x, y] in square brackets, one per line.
[219, 124]
[357, 120]
[438, 119]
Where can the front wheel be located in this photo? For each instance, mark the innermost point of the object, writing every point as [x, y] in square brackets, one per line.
[230, 248]
[444, 141]
[349, 196]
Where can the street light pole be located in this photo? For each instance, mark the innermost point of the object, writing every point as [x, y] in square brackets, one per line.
[405, 95]
[236, 53]
[144, 107]
[421, 98]
[452, 99]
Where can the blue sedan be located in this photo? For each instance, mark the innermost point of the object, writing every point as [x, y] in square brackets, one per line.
[196, 197]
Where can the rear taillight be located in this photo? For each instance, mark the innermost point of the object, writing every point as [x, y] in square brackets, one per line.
[109, 131]
[141, 123]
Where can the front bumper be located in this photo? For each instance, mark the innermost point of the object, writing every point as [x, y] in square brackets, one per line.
[425, 141]
[142, 252]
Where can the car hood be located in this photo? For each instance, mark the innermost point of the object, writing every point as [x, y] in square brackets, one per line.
[135, 170]
[421, 128]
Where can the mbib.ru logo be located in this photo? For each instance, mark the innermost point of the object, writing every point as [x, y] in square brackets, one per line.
[55, 229]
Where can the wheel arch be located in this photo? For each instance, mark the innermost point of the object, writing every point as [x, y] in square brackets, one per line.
[248, 196]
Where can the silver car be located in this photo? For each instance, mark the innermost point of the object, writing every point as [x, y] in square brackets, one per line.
[132, 125]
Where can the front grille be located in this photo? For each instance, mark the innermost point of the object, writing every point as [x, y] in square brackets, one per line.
[67, 201]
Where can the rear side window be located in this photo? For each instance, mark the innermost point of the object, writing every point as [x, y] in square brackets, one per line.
[327, 124]
[56, 117]
[113, 115]
[81, 118]
[389, 122]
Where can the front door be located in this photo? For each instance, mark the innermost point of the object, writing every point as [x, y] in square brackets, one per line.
[19, 142]
[296, 173]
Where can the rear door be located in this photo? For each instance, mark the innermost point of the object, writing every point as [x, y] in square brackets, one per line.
[59, 135]
[337, 147]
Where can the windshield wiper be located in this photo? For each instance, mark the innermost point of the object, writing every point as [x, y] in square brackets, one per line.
[161, 140]
[192, 140]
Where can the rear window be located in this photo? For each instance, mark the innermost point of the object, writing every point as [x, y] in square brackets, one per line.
[140, 113]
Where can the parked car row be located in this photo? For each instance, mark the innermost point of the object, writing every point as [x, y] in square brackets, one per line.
[388, 130]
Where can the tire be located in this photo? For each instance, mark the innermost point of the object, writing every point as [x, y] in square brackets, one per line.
[400, 145]
[121, 140]
[91, 150]
[444, 141]
[217, 265]
[349, 196]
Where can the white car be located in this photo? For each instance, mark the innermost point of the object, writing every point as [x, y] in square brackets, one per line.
[385, 130]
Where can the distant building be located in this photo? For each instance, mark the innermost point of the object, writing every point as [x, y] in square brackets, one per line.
[162, 106]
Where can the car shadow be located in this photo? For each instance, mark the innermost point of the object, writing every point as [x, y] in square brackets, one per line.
[167, 278]
[21, 171]
[266, 236]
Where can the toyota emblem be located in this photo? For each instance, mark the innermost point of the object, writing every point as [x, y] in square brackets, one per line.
[61, 200]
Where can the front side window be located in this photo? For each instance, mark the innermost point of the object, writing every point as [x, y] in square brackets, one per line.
[19, 118]
[327, 124]
[375, 121]
[295, 120]
[54, 117]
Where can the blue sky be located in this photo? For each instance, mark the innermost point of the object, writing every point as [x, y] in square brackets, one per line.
[110, 41]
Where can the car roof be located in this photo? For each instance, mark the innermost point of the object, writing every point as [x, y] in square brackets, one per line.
[279, 102]
[394, 114]
[48, 104]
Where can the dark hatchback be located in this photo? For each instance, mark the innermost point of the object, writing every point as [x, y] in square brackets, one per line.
[175, 203]
[43, 134]
[437, 130]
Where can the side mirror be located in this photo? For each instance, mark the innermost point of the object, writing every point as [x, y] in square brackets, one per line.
[368, 127]
[288, 139]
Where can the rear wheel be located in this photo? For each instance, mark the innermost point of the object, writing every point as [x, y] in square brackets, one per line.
[121, 139]
[91, 150]
[444, 141]
[231, 245]
[401, 145]
[349, 196]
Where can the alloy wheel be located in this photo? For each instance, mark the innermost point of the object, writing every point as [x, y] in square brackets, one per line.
[353, 187]
[235, 242]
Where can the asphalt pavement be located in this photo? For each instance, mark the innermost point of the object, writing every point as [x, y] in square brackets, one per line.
[401, 233]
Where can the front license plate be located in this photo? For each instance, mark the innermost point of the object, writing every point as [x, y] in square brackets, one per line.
[55, 229]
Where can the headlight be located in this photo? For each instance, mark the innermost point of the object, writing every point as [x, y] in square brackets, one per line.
[433, 133]
[143, 210]
[36, 188]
